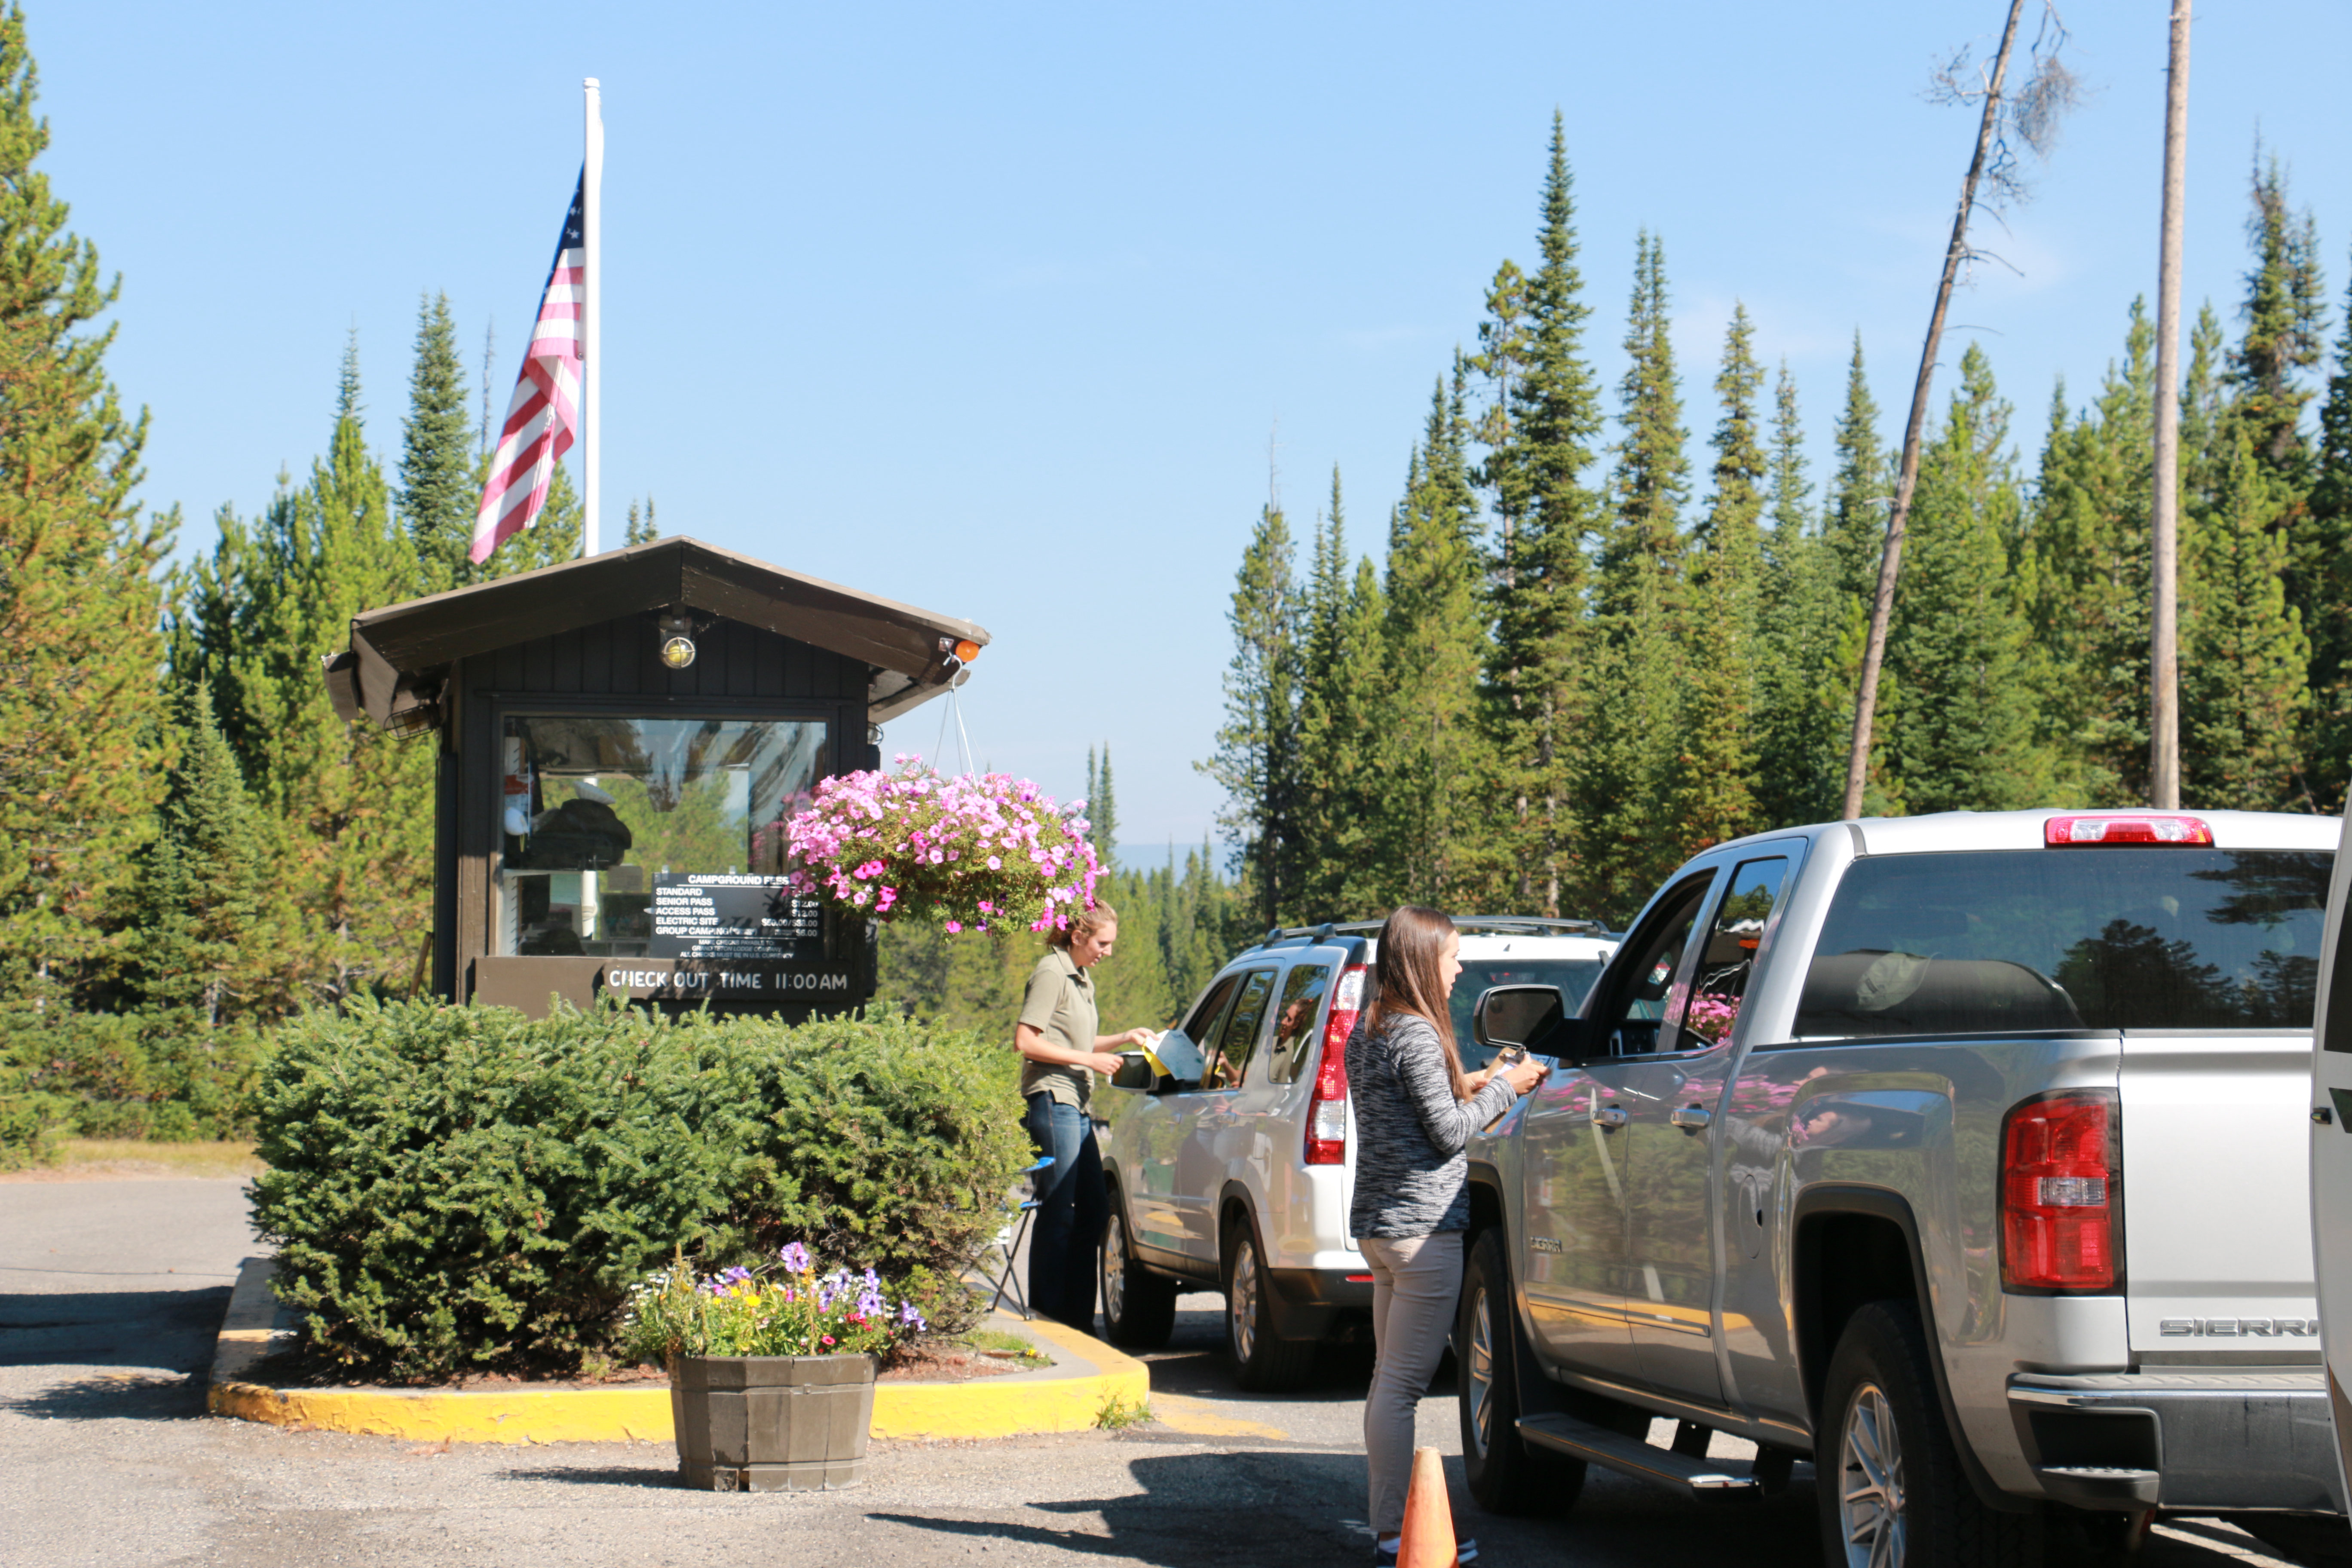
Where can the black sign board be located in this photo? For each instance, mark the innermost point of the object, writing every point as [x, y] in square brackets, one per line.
[733, 918]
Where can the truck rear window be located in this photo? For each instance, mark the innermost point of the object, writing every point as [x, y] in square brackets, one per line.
[2003, 941]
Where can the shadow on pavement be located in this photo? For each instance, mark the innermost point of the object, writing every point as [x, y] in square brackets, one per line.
[662, 1476]
[132, 1328]
[1196, 1510]
[116, 1397]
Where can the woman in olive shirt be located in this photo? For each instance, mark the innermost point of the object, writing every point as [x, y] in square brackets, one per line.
[1060, 1054]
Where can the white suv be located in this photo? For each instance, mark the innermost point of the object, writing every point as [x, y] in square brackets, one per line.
[1239, 1180]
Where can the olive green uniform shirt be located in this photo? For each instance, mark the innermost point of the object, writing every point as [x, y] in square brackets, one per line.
[1060, 1005]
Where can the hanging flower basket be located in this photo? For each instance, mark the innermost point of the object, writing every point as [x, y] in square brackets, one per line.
[978, 852]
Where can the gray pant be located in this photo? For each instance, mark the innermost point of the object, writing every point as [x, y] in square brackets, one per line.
[1416, 1280]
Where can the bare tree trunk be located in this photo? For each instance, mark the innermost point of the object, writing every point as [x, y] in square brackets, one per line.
[1881, 608]
[2164, 514]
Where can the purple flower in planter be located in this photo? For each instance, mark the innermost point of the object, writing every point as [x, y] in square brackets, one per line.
[795, 1257]
[911, 1317]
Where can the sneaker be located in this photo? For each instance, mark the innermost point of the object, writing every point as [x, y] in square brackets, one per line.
[1384, 1553]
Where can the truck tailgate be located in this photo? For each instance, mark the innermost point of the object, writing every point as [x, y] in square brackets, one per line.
[2217, 1223]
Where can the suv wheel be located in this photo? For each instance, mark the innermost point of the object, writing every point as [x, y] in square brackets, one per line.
[1262, 1363]
[1892, 1491]
[1139, 1307]
[1507, 1476]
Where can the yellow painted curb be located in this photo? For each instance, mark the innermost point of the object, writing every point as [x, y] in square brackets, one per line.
[1199, 1418]
[1067, 1397]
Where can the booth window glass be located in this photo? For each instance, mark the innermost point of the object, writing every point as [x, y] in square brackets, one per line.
[653, 837]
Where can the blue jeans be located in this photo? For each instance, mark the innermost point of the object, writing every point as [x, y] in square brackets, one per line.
[1072, 1209]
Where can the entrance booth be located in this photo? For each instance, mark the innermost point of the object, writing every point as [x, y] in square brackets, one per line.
[622, 740]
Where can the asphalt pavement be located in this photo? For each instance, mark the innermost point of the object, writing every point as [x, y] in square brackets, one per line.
[110, 1292]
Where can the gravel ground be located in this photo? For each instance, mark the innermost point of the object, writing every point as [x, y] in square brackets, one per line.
[111, 1291]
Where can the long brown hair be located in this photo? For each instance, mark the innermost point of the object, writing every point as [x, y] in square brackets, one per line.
[1406, 979]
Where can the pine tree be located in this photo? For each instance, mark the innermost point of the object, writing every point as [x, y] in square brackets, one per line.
[1805, 695]
[1650, 478]
[355, 805]
[1710, 797]
[1963, 739]
[1862, 488]
[2244, 652]
[2086, 581]
[213, 928]
[1342, 687]
[1257, 744]
[2203, 408]
[1439, 809]
[2331, 631]
[2286, 315]
[1626, 755]
[641, 528]
[1536, 698]
[438, 493]
[83, 736]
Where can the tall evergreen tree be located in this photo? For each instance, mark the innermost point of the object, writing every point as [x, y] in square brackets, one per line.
[1255, 760]
[2203, 408]
[214, 938]
[438, 491]
[2331, 631]
[1962, 739]
[1805, 695]
[2244, 652]
[2087, 581]
[2285, 314]
[83, 738]
[1536, 698]
[1711, 797]
[642, 527]
[1627, 751]
[355, 805]
[1440, 810]
[1342, 760]
[1863, 487]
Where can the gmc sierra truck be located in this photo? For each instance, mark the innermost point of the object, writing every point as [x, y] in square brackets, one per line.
[1963, 1156]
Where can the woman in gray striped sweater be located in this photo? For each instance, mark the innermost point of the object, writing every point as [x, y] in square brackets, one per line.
[1415, 1110]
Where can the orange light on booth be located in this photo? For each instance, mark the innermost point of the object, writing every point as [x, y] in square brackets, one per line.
[967, 650]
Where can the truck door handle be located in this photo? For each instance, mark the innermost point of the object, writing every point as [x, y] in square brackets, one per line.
[1608, 1118]
[1691, 1117]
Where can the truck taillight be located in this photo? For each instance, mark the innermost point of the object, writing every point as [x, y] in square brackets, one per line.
[1326, 1112]
[2076, 832]
[2062, 1175]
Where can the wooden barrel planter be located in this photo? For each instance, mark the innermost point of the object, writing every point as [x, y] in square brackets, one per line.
[772, 1423]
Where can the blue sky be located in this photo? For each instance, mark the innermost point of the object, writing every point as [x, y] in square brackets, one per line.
[997, 310]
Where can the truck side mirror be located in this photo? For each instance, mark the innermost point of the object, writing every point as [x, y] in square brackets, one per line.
[1517, 1015]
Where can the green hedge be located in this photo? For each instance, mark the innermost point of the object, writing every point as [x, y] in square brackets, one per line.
[463, 1188]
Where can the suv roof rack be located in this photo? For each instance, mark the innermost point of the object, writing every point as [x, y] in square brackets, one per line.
[1533, 925]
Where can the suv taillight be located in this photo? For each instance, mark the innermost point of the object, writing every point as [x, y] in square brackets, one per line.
[2062, 1175]
[1326, 1112]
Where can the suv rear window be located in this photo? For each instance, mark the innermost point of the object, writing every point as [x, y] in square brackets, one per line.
[2012, 941]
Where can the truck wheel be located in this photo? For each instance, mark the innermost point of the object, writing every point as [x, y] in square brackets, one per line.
[1262, 1363]
[1506, 1475]
[1139, 1307]
[1893, 1494]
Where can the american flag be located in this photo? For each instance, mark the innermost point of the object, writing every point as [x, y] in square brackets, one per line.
[545, 413]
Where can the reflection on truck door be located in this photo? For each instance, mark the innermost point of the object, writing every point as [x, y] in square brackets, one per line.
[1580, 1178]
[1671, 1302]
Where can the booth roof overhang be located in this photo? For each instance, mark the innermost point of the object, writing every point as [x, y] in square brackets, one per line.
[400, 654]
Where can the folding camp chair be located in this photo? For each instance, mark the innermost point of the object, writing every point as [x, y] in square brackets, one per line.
[1008, 1242]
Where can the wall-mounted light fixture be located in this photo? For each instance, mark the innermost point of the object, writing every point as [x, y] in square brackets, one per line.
[678, 629]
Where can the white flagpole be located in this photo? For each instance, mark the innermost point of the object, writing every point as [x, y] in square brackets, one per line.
[592, 342]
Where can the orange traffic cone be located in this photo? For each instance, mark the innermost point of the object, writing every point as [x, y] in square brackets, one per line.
[1428, 1539]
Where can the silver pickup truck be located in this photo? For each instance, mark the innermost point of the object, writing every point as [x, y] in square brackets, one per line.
[1963, 1155]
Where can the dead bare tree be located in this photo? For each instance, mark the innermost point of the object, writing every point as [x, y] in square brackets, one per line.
[2030, 120]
